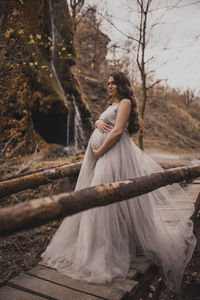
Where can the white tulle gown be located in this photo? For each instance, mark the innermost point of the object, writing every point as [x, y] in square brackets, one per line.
[100, 244]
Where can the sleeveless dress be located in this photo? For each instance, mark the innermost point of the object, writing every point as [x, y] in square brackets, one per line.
[100, 244]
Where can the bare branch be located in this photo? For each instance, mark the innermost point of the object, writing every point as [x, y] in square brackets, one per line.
[170, 7]
[76, 6]
[140, 38]
[189, 96]
[150, 72]
[153, 84]
[12, 152]
[28, 163]
[6, 145]
[114, 26]
[148, 60]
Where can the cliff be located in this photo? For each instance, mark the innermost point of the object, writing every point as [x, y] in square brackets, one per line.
[37, 52]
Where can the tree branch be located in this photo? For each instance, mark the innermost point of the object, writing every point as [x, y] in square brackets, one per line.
[119, 30]
[153, 84]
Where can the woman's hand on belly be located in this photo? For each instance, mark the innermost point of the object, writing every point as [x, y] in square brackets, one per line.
[103, 126]
[96, 153]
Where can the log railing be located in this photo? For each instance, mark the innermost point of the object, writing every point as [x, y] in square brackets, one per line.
[40, 211]
[38, 178]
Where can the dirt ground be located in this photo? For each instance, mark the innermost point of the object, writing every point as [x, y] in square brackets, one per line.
[20, 252]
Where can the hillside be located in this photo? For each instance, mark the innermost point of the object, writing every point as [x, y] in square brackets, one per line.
[169, 123]
[168, 126]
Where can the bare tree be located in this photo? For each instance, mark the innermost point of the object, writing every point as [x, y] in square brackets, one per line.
[144, 9]
[189, 96]
[76, 6]
[135, 46]
[150, 14]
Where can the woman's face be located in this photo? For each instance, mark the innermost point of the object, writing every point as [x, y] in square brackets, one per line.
[112, 87]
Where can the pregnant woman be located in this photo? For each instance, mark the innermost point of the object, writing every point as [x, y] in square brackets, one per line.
[100, 244]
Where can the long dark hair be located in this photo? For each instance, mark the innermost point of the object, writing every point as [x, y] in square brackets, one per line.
[124, 90]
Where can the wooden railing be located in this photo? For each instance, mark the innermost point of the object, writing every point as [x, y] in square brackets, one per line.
[40, 211]
[22, 183]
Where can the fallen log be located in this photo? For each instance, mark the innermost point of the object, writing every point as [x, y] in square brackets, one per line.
[40, 211]
[14, 176]
[34, 180]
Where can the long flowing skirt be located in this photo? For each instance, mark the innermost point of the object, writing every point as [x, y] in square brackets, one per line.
[100, 244]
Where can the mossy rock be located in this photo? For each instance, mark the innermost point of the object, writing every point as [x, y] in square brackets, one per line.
[29, 87]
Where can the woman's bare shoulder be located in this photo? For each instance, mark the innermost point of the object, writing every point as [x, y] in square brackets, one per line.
[125, 104]
[125, 101]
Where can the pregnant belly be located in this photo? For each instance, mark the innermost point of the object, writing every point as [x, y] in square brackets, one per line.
[97, 138]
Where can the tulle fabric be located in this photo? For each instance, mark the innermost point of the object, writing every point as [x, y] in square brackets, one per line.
[101, 244]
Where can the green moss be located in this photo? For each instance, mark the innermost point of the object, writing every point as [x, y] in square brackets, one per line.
[41, 165]
[27, 30]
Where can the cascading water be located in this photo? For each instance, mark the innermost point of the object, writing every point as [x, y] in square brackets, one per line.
[54, 54]
[78, 128]
[74, 125]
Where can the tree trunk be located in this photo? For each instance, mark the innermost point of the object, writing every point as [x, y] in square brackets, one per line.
[36, 179]
[40, 211]
[144, 10]
[140, 139]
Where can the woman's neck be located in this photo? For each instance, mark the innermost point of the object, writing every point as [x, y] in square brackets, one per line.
[114, 101]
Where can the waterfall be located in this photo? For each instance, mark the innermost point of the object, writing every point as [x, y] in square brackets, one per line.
[53, 54]
[74, 123]
[78, 128]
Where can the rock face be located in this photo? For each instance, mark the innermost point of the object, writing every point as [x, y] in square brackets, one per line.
[41, 100]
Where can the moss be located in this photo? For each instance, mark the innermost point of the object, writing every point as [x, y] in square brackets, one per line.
[41, 165]
[26, 72]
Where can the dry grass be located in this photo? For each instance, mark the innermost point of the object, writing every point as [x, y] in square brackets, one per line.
[170, 125]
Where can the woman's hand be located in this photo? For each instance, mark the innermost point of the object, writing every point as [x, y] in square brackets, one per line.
[103, 126]
[96, 153]
[115, 134]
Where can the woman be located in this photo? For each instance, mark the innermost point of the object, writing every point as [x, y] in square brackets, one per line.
[100, 244]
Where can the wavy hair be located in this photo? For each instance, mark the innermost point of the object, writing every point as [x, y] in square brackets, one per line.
[124, 90]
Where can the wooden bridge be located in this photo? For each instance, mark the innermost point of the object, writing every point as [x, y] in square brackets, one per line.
[43, 282]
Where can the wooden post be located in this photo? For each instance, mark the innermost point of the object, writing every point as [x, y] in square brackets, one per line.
[23, 183]
[40, 211]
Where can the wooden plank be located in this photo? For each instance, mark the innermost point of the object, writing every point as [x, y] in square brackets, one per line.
[193, 190]
[196, 181]
[10, 293]
[116, 290]
[141, 267]
[132, 273]
[193, 186]
[48, 289]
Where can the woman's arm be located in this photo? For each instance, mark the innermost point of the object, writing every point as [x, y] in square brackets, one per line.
[115, 134]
